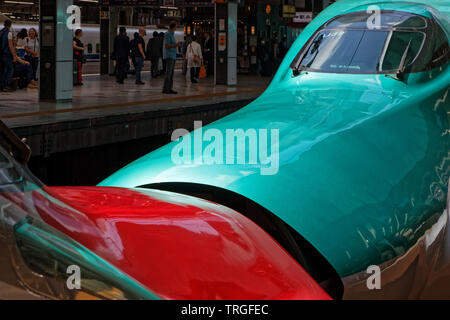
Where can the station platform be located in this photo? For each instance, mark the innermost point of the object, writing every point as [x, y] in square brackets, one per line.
[103, 111]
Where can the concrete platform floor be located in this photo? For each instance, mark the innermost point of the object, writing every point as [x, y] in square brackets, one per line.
[102, 96]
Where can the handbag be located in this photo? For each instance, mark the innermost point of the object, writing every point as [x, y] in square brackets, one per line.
[196, 58]
[28, 56]
[202, 73]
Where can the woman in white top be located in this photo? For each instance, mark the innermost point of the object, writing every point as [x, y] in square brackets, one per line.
[32, 50]
[21, 36]
[194, 58]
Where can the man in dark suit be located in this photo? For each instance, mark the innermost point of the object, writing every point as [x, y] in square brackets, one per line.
[154, 53]
[122, 54]
[208, 53]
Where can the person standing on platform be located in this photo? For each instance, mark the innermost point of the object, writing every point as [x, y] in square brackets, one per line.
[163, 61]
[154, 53]
[8, 57]
[194, 59]
[187, 41]
[208, 53]
[78, 50]
[32, 49]
[137, 50]
[283, 48]
[260, 54]
[121, 54]
[20, 47]
[170, 56]
[274, 49]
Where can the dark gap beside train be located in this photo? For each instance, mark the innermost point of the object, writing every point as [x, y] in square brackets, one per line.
[89, 166]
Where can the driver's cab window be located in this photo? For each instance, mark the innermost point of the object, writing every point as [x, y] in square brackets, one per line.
[347, 44]
[398, 43]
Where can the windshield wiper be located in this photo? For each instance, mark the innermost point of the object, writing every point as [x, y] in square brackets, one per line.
[297, 70]
[402, 67]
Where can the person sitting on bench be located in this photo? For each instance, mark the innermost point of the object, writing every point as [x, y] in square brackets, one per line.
[23, 71]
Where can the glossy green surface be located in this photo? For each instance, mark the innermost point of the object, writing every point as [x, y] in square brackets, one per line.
[364, 159]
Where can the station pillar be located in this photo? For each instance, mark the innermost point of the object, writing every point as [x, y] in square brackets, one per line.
[109, 20]
[226, 43]
[56, 51]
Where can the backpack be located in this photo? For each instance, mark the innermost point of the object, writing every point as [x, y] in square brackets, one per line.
[2, 34]
[134, 46]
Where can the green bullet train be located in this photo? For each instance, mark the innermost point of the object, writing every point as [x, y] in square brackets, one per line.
[345, 158]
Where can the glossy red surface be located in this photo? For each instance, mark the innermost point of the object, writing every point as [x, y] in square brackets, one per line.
[178, 246]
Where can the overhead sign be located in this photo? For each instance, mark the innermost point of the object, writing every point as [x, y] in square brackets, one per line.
[131, 2]
[170, 3]
[303, 17]
[288, 11]
[104, 15]
[191, 3]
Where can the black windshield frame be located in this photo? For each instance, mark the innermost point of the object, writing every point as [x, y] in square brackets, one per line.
[295, 65]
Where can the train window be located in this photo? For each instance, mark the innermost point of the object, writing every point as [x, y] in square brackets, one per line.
[342, 51]
[441, 49]
[388, 19]
[347, 44]
[398, 44]
[89, 47]
[97, 47]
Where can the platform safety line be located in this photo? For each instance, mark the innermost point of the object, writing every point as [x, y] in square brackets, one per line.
[131, 103]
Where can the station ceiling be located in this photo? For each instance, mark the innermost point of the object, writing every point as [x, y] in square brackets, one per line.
[29, 9]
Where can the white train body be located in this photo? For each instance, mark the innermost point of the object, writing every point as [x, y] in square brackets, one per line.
[91, 34]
